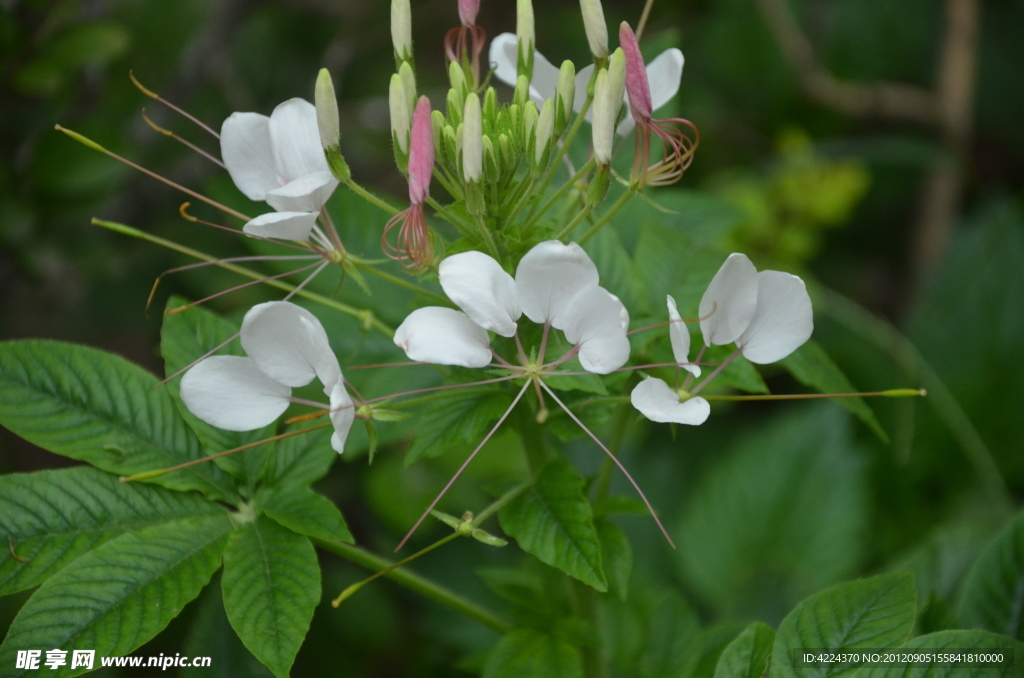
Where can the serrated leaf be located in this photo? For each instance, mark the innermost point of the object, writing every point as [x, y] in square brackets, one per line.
[993, 596]
[271, 586]
[516, 586]
[302, 510]
[875, 613]
[50, 518]
[300, 460]
[812, 366]
[118, 596]
[953, 640]
[552, 520]
[464, 417]
[747, 656]
[588, 383]
[210, 635]
[184, 338]
[94, 406]
[673, 640]
[616, 556]
[533, 653]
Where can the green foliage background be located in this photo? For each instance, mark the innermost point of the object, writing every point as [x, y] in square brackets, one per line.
[769, 503]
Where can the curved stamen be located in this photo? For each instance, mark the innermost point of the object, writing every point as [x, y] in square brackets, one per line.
[179, 309]
[413, 249]
[168, 104]
[168, 133]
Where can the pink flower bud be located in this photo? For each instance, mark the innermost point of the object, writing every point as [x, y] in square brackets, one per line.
[421, 153]
[637, 86]
[468, 9]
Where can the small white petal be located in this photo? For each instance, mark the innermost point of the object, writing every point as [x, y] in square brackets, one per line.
[664, 75]
[594, 322]
[548, 278]
[342, 416]
[784, 319]
[247, 153]
[545, 79]
[231, 393]
[504, 58]
[443, 336]
[289, 344]
[306, 194]
[282, 225]
[729, 302]
[658, 402]
[481, 287]
[295, 139]
[680, 337]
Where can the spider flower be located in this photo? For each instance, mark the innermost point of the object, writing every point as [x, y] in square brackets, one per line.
[413, 248]
[286, 347]
[464, 43]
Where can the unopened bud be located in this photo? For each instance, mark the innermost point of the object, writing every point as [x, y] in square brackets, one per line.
[617, 77]
[597, 29]
[468, 9]
[401, 29]
[490, 106]
[505, 148]
[326, 110]
[545, 128]
[522, 92]
[455, 104]
[526, 37]
[472, 140]
[437, 124]
[452, 144]
[529, 123]
[408, 83]
[457, 78]
[487, 538]
[603, 121]
[401, 121]
[566, 93]
[492, 167]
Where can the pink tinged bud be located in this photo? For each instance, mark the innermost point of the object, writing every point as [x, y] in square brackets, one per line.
[421, 153]
[637, 86]
[468, 9]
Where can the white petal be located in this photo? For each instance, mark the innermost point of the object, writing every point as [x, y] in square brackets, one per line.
[443, 336]
[582, 81]
[545, 79]
[295, 138]
[289, 344]
[594, 322]
[481, 287]
[664, 75]
[658, 402]
[306, 194]
[231, 393]
[784, 319]
[504, 58]
[342, 416]
[247, 153]
[680, 337]
[729, 302]
[283, 225]
[548, 278]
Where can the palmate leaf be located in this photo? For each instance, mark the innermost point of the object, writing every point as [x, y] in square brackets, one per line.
[98, 407]
[52, 517]
[302, 510]
[953, 640]
[533, 653]
[118, 596]
[271, 585]
[747, 656]
[873, 613]
[994, 593]
[552, 520]
[462, 417]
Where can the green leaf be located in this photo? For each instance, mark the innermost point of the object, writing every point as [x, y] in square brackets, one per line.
[302, 510]
[739, 374]
[463, 417]
[517, 587]
[747, 656]
[616, 555]
[552, 520]
[673, 639]
[98, 407]
[619, 506]
[953, 640]
[118, 596]
[589, 383]
[210, 635]
[184, 338]
[868, 613]
[271, 586]
[533, 653]
[993, 596]
[300, 460]
[812, 366]
[50, 518]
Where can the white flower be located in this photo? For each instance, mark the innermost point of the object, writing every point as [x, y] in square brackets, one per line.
[554, 284]
[664, 73]
[279, 160]
[287, 347]
[658, 402]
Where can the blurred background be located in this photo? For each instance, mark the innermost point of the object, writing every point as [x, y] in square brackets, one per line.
[873, 146]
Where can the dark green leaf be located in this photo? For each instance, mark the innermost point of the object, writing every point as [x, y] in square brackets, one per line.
[302, 510]
[533, 653]
[464, 417]
[747, 656]
[616, 555]
[87, 43]
[954, 640]
[994, 594]
[301, 459]
[739, 374]
[98, 407]
[619, 506]
[811, 366]
[50, 518]
[673, 640]
[210, 635]
[875, 613]
[271, 586]
[118, 596]
[516, 586]
[552, 520]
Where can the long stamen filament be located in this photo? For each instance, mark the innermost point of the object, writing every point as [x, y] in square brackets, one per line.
[179, 309]
[717, 371]
[168, 104]
[168, 133]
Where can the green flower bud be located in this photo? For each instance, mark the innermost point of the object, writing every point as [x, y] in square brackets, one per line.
[526, 37]
[472, 140]
[492, 166]
[409, 83]
[545, 128]
[327, 123]
[522, 92]
[603, 128]
[455, 104]
[457, 78]
[597, 29]
[437, 123]
[401, 120]
[491, 107]
[565, 95]
[529, 123]
[401, 30]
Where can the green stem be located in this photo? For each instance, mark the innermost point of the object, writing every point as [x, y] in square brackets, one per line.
[365, 315]
[447, 215]
[370, 197]
[623, 414]
[487, 238]
[559, 194]
[394, 279]
[447, 185]
[419, 584]
[569, 137]
[529, 185]
[630, 192]
[499, 503]
[584, 213]
[532, 435]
